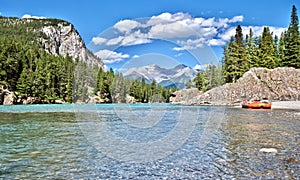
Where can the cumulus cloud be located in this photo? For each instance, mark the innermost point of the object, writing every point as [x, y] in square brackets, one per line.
[110, 57]
[187, 31]
[28, 16]
[98, 40]
[171, 30]
[136, 56]
[189, 44]
[126, 26]
[115, 41]
[236, 19]
[135, 38]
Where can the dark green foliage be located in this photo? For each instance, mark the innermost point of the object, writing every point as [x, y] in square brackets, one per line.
[110, 87]
[33, 72]
[209, 78]
[30, 71]
[267, 53]
[263, 51]
[292, 42]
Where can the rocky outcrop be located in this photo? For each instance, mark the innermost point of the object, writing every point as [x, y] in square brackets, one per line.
[185, 96]
[63, 39]
[280, 84]
[6, 97]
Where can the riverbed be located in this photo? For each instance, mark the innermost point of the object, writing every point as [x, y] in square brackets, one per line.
[152, 141]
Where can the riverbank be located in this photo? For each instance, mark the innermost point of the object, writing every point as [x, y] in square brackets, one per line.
[286, 105]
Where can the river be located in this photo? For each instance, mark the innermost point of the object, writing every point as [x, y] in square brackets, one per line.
[147, 141]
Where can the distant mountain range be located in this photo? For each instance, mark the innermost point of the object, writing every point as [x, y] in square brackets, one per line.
[174, 77]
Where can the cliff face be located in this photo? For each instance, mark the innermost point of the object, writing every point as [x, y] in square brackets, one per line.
[57, 37]
[280, 84]
[64, 40]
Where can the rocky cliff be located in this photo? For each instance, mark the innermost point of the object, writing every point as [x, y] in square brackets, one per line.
[57, 37]
[280, 84]
[63, 39]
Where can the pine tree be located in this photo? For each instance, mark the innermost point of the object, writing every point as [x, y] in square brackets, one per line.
[252, 50]
[231, 68]
[281, 49]
[292, 46]
[267, 53]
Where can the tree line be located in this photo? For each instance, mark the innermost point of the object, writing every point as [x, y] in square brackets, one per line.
[244, 52]
[111, 87]
[267, 50]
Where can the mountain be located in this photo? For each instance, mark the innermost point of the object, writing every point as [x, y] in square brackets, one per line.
[44, 61]
[55, 36]
[173, 77]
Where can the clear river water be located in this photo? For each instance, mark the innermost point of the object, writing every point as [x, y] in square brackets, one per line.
[147, 141]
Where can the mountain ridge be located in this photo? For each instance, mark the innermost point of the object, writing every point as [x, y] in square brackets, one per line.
[174, 77]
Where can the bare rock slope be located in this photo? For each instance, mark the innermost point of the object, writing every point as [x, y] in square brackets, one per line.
[280, 84]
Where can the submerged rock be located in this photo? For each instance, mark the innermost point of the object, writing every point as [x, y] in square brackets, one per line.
[268, 150]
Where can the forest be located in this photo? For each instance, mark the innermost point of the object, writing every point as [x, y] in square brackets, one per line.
[29, 71]
[244, 52]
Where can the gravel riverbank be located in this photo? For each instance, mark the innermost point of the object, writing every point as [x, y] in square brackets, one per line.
[286, 105]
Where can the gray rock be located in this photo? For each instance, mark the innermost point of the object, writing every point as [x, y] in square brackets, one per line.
[9, 98]
[280, 84]
[64, 40]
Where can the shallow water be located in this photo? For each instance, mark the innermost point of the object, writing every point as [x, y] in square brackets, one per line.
[69, 142]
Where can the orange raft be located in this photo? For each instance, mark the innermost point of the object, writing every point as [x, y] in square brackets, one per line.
[257, 104]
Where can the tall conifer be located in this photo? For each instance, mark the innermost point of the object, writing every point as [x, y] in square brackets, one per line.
[292, 50]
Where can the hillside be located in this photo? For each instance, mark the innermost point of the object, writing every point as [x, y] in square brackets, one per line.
[279, 84]
[40, 59]
[57, 37]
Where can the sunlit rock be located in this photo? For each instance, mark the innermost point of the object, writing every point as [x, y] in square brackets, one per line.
[279, 84]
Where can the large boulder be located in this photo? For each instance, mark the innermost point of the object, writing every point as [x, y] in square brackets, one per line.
[9, 98]
[280, 84]
[6, 97]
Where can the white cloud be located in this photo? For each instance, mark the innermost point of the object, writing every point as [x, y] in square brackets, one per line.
[236, 19]
[110, 57]
[115, 41]
[135, 38]
[136, 56]
[181, 28]
[166, 18]
[216, 42]
[98, 40]
[126, 26]
[28, 16]
[175, 29]
[226, 35]
[190, 44]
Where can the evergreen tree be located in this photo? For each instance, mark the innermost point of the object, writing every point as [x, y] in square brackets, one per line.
[281, 50]
[267, 53]
[292, 45]
[252, 50]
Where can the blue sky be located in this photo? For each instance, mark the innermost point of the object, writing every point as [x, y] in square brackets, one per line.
[187, 31]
